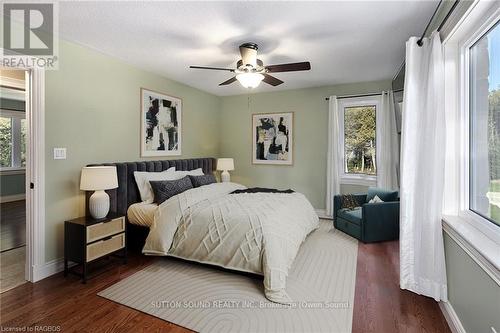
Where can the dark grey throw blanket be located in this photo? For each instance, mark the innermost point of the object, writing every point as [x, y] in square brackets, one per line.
[261, 190]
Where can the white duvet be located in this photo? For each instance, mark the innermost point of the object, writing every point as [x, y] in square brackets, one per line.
[252, 232]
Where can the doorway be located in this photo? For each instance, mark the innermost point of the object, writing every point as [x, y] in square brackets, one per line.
[13, 174]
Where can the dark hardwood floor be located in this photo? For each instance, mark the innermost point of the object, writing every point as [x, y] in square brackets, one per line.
[69, 306]
[12, 225]
[379, 305]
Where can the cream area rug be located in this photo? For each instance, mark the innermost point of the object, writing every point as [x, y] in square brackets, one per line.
[206, 299]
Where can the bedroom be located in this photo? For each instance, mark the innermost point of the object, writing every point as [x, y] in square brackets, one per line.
[116, 60]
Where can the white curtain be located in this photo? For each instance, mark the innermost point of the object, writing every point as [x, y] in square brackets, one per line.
[422, 263]
[388, 144]
[333, 154]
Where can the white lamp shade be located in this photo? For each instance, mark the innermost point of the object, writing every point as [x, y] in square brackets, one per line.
[250, 80]
[98, 178]
[225, 164]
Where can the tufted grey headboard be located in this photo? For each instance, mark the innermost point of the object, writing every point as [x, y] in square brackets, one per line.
[127, 192]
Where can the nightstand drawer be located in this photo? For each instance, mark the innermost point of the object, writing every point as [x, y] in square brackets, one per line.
[105, 229]
[101, 248]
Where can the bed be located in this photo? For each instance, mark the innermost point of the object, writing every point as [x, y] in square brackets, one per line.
[258, 233]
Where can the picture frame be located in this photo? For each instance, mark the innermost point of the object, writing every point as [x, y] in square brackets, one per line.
[272, 138]
[161, 124]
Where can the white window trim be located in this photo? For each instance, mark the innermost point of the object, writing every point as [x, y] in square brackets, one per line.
[476, 234]
[12, 93]
[10, 82]
[12, 114]
[357, 179]
[16, 116]
[12, 171]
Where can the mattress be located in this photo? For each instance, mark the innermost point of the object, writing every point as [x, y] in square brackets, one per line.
[142, 213]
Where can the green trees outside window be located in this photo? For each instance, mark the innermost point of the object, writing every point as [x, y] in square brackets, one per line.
[360, 140]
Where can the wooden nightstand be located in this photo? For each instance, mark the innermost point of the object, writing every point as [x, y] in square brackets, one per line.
[87, 239]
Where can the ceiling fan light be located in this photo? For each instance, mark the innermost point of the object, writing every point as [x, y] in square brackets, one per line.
[250, 80]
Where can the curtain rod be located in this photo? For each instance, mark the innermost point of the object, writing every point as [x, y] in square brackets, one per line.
[362, 95]
[419, 42]
[448, 15]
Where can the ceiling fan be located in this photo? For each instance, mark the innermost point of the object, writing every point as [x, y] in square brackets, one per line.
[250, 71]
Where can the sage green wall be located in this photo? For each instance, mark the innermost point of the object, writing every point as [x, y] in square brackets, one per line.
[92, 109]
[308, 173]
[12, 184]
[474, 296]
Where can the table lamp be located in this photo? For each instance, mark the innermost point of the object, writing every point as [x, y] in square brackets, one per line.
[98, 179]
[225, 165]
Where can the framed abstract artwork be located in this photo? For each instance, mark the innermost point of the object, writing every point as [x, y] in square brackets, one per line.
[161, 117]
[272, 139]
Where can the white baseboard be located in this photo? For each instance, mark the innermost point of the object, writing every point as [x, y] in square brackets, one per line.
[52, 267]
[451, 317]
[11, 198]
[322, 214]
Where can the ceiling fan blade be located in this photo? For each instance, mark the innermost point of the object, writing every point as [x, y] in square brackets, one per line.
[225, 83]
[272, 80]
[291, 67]
[213, 68]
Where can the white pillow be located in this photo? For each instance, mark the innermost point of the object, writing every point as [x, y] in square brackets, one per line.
[142, 179]
[195, 172]
[376, 199]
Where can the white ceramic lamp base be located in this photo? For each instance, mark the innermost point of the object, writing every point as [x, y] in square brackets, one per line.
[225, 176]
[99, 204]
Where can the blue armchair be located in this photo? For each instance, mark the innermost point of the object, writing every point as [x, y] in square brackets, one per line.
[370, 222]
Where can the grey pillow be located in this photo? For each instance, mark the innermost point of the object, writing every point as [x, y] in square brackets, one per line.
[165, 189]
[198, 181]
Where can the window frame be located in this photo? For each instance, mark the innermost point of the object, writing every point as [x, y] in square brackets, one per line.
[465, 211]
[16, 116]
[478, 237]
[468, 110]
[358, 178]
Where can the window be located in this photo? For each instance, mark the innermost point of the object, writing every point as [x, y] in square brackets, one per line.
[471, 66]
[5, 142]
[484, 125]
[359, 131]
[359, 140]
[12, 140]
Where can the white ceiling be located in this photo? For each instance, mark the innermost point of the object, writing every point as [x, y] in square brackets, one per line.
[344, 41]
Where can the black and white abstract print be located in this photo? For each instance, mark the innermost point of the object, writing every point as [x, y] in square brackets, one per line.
[272, 138]
[161, 124]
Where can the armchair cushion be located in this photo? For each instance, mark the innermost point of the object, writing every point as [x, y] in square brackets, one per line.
[337, 202]
[353, 216]
[385, 195]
